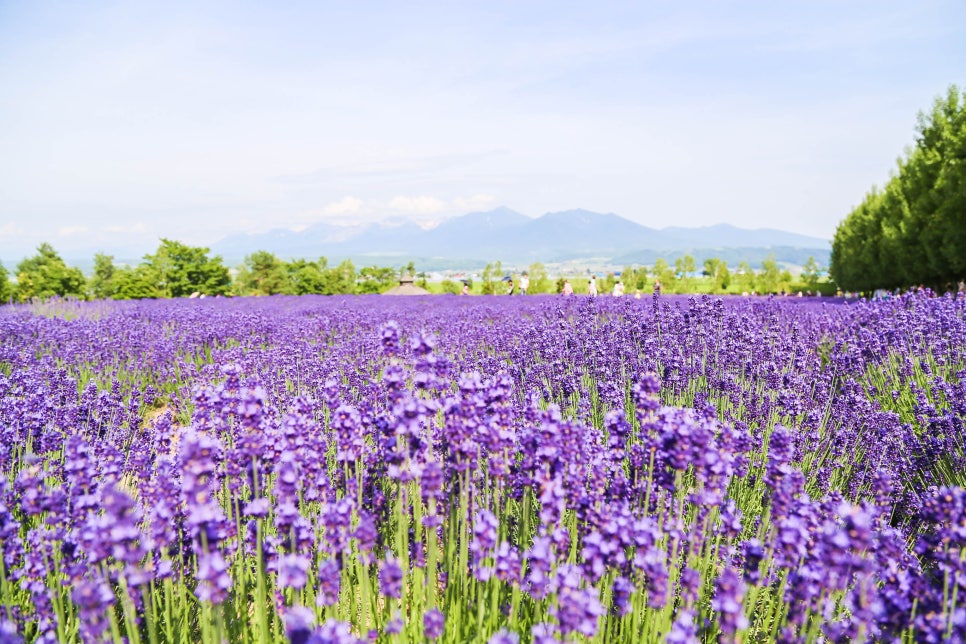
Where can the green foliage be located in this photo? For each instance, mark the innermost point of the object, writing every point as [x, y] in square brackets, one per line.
[914, 230]
[664, 274]
[488, 286]
[539, 280]
[179, 270]
[721, 276]
[745, 280]
[770, 277]
[684, 268]
[635, 279]
[46, 275]
[308, 277]
[6, 288]
[101, 284]
[376, 279]
[263, 274]
[341, 279]
[449, 286]
[811, 274]
[138, 283]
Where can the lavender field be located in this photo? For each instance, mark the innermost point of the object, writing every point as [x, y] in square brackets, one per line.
[489, 469]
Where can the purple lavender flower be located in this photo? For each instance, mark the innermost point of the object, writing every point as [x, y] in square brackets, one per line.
[257, 508]
[395, 625]
[579, 608]
[683, 630]
[390, 577]
[94, 599]
[9, 633]
[727, 602]
[293, 571]
[540, 562]
[298, 624]
[621, 594]
[504, 636]
[213, 579]
[753, 554]
[390, 338]
[656, 577]
[544, 634]
[507, 566]
[330, 583]
[434, 622]
[335, 632]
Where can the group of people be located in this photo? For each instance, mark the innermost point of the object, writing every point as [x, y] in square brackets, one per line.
[618, 290]
[524, 285]
[568, 289]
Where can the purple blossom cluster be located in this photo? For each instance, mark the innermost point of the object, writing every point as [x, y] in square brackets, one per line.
[485, 469]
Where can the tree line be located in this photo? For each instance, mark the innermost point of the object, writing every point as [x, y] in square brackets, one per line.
[179, 270]
[683, 276]
[913, 231]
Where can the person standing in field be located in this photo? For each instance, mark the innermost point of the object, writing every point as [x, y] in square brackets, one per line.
[619, 289]
[592, 286]
[524, 284]
[568, 290]
[509, 288]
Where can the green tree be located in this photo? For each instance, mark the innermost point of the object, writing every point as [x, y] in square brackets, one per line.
[722, 277]
[47, 275]
[711, 267]
[138, 283]
[307, 277]
[6, 289]
[539, 280]
[811, 274]
[180, 270]
[683, 270]
[101, 284]
[487, 287]
[769, 280]
[634, 278]
[263, 274]
[914, 230]
[341, 280]
[746, 278]
[449, 286]
[664, 274]
[376, 279]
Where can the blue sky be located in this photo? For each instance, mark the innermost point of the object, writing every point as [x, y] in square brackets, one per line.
[123, 122]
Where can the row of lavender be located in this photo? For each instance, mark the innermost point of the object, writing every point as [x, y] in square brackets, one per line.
[502, 469]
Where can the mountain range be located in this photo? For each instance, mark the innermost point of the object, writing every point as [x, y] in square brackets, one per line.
[505, 235]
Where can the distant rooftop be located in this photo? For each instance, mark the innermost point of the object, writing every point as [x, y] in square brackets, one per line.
[406, 287]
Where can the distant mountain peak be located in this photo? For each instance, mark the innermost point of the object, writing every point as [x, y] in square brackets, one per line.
[507, 235]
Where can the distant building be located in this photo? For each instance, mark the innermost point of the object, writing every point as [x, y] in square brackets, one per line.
[406, 287]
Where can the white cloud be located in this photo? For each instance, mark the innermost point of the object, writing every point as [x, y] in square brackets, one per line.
[475, 203]
[70, 231]
[138, 227]
[10, 230]
[419, 206]
[345, 206]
